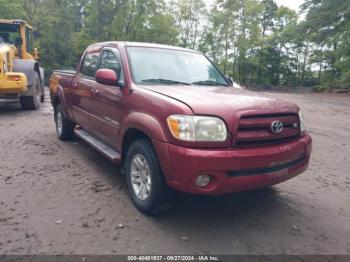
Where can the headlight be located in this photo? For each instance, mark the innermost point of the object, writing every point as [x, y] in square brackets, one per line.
[197, 128]
[302, 122]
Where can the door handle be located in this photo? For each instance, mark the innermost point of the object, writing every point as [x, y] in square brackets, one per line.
[94, 91]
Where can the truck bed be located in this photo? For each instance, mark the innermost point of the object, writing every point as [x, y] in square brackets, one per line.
[64, 72]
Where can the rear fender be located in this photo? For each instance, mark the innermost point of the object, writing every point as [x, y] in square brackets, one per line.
[59, 98]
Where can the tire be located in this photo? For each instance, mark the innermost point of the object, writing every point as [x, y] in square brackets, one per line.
[160, 195]
[64, 127]
[32, 102]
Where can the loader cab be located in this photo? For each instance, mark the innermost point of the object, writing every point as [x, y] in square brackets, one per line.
[19, 34]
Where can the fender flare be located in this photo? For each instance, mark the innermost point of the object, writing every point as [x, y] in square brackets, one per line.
[145, 123]
[59, 98]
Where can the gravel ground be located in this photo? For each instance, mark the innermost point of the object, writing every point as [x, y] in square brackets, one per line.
[65, 198]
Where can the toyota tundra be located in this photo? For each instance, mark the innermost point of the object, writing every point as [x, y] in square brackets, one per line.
[174, 122]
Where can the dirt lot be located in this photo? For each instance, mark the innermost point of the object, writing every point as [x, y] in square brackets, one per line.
[65, 198]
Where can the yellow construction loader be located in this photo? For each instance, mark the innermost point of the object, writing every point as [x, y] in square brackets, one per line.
[21, 77]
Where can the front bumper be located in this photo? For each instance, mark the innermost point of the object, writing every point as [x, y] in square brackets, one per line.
[234, 169]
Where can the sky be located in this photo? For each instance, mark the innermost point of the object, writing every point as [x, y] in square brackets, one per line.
[292, 4]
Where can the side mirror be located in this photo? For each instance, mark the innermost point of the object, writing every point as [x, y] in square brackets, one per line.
[36, 54]
[106, 77]
[230, 80]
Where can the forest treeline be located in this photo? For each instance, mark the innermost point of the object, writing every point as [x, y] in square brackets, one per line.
[256, 42]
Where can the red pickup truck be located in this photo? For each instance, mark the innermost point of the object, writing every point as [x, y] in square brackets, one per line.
[174, 121]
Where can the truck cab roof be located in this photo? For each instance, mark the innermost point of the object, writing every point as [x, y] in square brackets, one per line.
[93, 47]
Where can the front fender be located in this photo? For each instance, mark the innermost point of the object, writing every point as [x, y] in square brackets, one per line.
[150, 126]
[144, 123]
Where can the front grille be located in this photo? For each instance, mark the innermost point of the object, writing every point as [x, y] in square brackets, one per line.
[256, 129]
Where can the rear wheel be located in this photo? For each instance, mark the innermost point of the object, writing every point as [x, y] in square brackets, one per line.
[64, 127]
[147, 187]
[32, 102]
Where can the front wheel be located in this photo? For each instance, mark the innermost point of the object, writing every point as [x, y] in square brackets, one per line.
[146, 185]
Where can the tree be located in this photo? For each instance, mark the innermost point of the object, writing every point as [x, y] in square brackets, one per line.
[254, 41]
[331, 38]
[11, 9]
[188, 15]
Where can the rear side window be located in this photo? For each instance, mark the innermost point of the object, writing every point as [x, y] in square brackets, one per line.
[89, 65]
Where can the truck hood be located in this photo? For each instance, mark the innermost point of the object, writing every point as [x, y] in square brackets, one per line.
[216, 100]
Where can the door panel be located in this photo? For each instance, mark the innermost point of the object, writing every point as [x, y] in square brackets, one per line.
[108, 113]
[83, 103]
[82, 99]
[109, 101]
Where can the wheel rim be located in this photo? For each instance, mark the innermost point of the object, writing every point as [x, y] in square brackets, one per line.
[140, 177]
[59, 123]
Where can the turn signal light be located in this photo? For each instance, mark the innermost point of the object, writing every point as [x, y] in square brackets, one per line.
[15, 78]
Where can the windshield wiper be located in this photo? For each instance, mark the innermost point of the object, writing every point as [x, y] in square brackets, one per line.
[164, 81]
[209, 83]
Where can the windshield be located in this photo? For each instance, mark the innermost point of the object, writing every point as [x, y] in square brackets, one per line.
[9, 33]
[166, 66]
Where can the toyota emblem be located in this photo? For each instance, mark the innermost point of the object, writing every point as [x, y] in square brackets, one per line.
[277, 127]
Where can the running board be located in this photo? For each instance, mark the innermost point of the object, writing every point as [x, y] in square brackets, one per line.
[96, 143]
